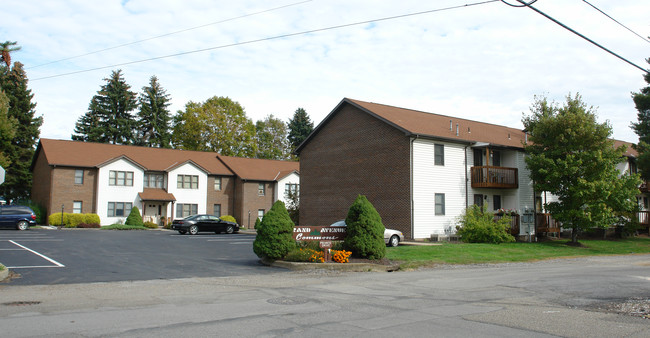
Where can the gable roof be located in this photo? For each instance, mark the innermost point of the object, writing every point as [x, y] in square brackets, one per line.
[91, 155]
[259, 170]
[429, 125]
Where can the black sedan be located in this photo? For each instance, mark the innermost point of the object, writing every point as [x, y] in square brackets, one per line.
[195, 223]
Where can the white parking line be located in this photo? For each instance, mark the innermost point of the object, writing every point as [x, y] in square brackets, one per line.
[58, 265]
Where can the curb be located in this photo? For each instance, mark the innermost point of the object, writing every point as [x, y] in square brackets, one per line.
[347, 267]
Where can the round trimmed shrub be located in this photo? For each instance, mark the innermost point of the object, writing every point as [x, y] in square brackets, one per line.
[55, 219]
[365, 231]
[92, 219]
[134, 217]
[274, 234]
[228, 218]
[477, 225]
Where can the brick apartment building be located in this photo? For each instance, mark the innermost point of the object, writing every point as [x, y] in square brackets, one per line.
[420, 170]
[106, 179]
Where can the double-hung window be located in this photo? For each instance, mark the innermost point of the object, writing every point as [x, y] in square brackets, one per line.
[440, 204]
[77, 207]
[184, 210]
[187, 182]
[153, 180]
[261, 190]
[120, 178]
[79, 176]
[217, 184]
[119, 209]
[439, 154]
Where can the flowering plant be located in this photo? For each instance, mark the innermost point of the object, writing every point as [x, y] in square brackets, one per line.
[341, 256]
[509, 212]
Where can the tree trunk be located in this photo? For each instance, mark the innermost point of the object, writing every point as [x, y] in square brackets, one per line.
[574, 235]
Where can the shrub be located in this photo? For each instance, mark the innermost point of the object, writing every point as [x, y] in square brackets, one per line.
[150, 225]
[365, 231]
[88, 226]
[305, 255]
[92, 218]
[38, 209]
[55, 219]
[274, 237]
[477, 225]
[257, 222]
[228, 218]
[74, 220]
[134, 217]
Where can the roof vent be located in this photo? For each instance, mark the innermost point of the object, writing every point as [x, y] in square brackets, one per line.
[451, 126]
[457, 130]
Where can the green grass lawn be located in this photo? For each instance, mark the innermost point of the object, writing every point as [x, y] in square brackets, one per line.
[468, 253]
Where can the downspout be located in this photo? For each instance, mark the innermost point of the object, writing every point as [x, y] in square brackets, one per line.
[466, 188]
[413, 139]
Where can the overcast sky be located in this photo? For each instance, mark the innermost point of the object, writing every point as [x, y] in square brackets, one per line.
[484, 62]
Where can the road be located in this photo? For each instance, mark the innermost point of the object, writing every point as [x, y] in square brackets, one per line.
[541, 299]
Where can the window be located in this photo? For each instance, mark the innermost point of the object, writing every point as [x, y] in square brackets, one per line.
[120, 178]
[76, 207]
[291, 188]
[497, 202]
[187, 182]
[217, 210]
[119, 209]
[153, 180]
[478, 200]
[261, 189]
[478, 157]
[440, 204]
[79, 176]
[184, 210]
[260, 214]
[217, 183]
[439, 154]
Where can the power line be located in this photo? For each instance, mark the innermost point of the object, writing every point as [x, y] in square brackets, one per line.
[525, 4]
[270, 38]
[605, 14]
[171, 33]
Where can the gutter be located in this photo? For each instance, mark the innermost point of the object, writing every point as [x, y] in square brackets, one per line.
[413, 139]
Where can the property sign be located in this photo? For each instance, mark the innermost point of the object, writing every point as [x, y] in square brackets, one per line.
[309, 233]
[2, 175]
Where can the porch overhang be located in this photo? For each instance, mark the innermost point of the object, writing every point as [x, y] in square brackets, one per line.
[157, 195]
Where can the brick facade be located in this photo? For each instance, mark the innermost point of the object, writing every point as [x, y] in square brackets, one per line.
[223, 197]
[355, 153]
[249, 201]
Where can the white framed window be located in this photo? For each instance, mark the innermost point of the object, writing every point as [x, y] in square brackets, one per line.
[217, 184]
[291, 188]
[261, 189]
[260, 214]
[77, 207]
[187, 182]
[119, 209]
[439, 154]
[120, 178]
[440, 204]
[79, 176]
[184, 210]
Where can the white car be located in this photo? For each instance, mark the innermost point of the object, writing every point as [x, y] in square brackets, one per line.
[391, 237]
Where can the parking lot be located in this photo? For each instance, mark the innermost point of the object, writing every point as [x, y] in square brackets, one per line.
[42, 256]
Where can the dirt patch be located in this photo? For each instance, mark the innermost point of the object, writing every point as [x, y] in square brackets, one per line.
[636, 307]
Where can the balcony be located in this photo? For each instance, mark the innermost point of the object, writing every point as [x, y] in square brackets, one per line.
[495, 177]
[644, 188]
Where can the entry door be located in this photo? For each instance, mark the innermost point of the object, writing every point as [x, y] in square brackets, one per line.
[152, 212]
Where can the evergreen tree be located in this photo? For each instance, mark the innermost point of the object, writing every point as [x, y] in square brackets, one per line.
[154, 117]
[571, 156]
[13, 81]
[134, 217]
[642, 127]
[274, 233]
[271, 136]
[5, 51]
[111, 108]
[7, 129]
[365, 231]
[218, 124]
[300, 126]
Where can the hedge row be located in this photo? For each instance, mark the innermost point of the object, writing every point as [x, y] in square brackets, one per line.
[71, 220]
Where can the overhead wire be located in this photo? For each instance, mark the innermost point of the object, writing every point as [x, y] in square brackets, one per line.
[607, 15]
[525, 4]
[270, 38]
[170, 33]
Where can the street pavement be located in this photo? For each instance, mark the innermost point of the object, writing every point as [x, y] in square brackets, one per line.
[541, 299]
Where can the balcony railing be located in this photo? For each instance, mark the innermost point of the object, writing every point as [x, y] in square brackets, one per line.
[495, 177]
[514, 223]
[644, 187]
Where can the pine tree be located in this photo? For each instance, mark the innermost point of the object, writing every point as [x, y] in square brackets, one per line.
[365, 231]
[642, 127]
[274, 234]
[300, 126]
[7, 129]
[13, 81]
[111, 108]
[154, 117]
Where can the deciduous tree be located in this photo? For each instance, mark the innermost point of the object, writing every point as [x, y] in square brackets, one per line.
[570, 155]
[218, 124]
[271, 137]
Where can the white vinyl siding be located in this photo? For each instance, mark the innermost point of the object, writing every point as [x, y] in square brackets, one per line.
[106, 192]
[430, 179]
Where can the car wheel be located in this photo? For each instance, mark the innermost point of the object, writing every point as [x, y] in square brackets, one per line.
[393, 241]
[22, 225]
[194, 230]
[182, 232]
[230, 229]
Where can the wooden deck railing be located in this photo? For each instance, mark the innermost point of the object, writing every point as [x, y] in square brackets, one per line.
[514, 223]
[495, 177]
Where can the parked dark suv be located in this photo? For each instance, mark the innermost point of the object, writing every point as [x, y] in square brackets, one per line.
[16, 216]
